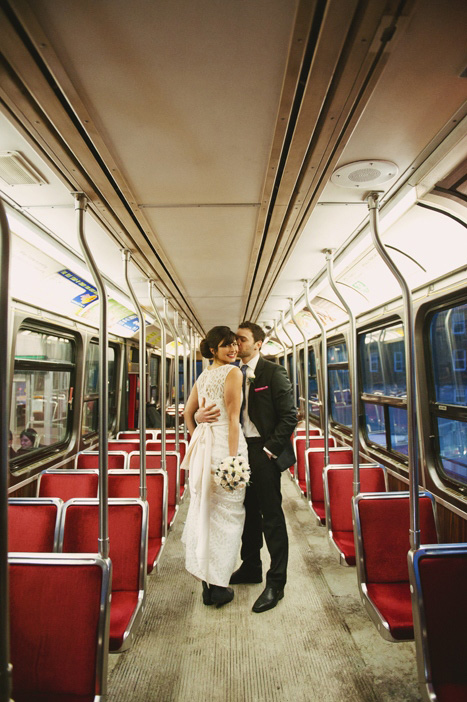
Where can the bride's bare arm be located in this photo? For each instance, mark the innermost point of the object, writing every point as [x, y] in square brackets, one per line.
[190, 409]
[232, 397]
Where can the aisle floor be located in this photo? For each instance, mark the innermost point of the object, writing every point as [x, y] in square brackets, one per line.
[317, 644]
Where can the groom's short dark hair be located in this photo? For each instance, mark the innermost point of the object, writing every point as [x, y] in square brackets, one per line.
[256, 330]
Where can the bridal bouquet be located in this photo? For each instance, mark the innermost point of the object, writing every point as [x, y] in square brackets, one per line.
[232, 473]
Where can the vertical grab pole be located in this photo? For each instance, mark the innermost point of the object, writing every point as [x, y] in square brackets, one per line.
[163, 375]
[281, 343]
[185, 374]
[182, 338]
[353, 373]
[177, 392]
[305, 368]
[324, 372]
[5, 666]
[80, 208]
[294, 360]
[373, 206]
[142, 379]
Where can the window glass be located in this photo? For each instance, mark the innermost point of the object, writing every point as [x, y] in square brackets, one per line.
[43, 380]
[313, 397]
[154, 365]
[34, 345]
[398, 430]
[341, 399]
[453, 448]
[90, 423]
[382, 355]
[448, 337]
[337, 353]
[375, 423]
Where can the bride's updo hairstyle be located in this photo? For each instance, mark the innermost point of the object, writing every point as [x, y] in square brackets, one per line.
[217, 336]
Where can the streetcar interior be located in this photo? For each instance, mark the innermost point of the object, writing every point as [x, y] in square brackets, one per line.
[231, 148]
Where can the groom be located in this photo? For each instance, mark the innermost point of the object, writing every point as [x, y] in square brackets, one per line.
[268, 419]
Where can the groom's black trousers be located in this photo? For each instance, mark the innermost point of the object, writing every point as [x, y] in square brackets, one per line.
[263, 505]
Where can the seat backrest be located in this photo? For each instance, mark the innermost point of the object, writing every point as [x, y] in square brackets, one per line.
[438, 576]
[299, 443]
[128, 524]
[33, 524]
[125, 483]
[127, 446]
[90, 460]
[314, 431]
[66, 484]
[339, 491]
[315, 458]
[151, 435]
[382, 523]
[169, 446]
[153, 462]
[59, 622]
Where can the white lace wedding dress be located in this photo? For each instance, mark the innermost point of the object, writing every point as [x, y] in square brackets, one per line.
[215, 519]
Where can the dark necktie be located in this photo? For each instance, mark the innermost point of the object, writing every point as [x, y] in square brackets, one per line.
[244, 369]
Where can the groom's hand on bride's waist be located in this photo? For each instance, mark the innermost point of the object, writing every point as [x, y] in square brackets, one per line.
[207, 413]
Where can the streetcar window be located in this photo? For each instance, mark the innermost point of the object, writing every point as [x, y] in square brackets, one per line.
[313, 397]
[339, 384]
[448, 342]
[154, 366]
[90, 422]
[384, 388]
[43, 381]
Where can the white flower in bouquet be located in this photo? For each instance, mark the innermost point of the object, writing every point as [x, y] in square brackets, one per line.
[232, 473]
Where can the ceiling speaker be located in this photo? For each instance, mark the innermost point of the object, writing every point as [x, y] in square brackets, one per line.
[364, 174]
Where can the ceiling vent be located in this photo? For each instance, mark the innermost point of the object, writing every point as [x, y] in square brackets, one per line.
[15, 170]
[364, 174]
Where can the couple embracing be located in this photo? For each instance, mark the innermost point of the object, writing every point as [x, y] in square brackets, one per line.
[247, 413]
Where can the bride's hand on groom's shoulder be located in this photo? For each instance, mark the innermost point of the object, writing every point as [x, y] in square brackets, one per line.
[207, 413]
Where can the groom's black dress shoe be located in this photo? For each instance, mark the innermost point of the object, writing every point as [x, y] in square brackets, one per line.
[268, 599]
[245, 577]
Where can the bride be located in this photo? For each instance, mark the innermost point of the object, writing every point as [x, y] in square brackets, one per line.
[214, 524]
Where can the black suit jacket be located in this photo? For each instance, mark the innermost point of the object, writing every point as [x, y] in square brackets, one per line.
[271, 409]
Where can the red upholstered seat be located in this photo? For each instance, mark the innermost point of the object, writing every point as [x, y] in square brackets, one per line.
[338, 489]
[153, 462]
[67, 484]
[170, 445]
[315, 462]
[382, 528]
[128, 524]
[33, 524]
[300, 448]
[127, 446]
[125, 483]
[90, 460]
[57, 633]
[438, 574]
[135, 435]
[394, 603]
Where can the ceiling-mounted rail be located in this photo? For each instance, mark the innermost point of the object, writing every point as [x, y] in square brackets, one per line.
[373, 206]
[353, 373]
[142, 377]
[80, 208]
[306, 372]
[177, 373]
[163, 375]
[5, 666]
[324, 372]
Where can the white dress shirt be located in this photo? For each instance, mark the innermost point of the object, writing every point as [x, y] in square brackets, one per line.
[249, 428]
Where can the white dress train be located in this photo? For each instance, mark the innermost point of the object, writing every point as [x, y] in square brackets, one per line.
[215, 518]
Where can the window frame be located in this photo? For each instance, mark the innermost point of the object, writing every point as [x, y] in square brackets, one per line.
[93, 397]
[18, 462]
[337, 365]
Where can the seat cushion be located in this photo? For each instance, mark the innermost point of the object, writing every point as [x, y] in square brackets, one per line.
[345, 541]
[121, 610]
[395, 605]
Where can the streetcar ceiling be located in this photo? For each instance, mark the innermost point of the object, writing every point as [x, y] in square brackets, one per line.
[205, 135]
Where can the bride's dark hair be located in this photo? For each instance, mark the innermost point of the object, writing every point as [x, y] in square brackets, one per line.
[217, 336]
